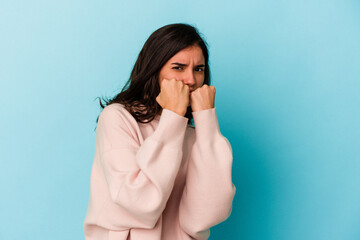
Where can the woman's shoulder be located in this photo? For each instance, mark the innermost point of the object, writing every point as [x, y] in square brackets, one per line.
[115, 111]
[115, 107]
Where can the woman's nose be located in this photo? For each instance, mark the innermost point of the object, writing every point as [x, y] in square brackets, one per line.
[189, 78]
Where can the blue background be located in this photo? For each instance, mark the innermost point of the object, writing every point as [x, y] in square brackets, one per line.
[288, 97]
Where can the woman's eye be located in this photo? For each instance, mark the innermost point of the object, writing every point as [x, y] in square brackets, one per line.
[177, 68]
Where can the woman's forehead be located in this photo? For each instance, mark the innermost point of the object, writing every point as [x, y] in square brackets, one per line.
[192, 54]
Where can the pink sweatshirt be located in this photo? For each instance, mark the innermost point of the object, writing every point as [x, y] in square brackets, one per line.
[164, 180]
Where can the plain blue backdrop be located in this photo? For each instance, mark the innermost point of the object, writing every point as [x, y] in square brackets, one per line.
[288, 97]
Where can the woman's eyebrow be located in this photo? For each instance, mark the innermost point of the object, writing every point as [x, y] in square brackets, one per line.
[182, 64]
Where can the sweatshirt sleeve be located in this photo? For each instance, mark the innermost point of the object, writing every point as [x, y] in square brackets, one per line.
[208, 194]
[140, 178]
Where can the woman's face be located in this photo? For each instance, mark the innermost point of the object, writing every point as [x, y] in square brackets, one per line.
[188, 66]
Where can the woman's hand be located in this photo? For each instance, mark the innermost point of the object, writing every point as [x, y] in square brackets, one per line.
[203, 98]
[174, 96]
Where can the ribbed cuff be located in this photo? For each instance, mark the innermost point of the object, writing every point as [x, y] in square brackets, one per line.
[171, 128]
[206, 124]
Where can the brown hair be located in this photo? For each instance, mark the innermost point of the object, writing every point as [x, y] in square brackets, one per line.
[139, 93]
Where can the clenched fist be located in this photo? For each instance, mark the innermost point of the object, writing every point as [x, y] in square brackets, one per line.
[174, 96]
[203, 98]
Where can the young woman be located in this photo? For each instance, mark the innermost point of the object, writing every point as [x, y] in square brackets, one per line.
[155, 175]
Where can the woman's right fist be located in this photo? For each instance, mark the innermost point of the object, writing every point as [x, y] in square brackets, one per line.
[174, 96]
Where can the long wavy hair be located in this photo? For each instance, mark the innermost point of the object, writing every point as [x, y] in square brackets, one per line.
[139, 93]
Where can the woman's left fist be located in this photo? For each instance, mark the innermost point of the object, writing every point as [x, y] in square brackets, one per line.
[202, 98]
